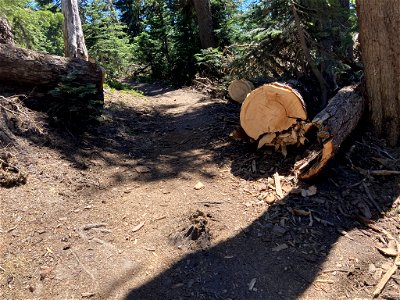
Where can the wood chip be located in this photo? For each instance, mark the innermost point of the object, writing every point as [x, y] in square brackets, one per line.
[138, 227]
[388, 251]
[280, 247]
[199, 186]
[87, 295]
[252, 283]
[278, 186]
[142, 169]
[266, 139]
[311, 191]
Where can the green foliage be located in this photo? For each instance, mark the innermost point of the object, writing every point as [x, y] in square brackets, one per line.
[268, 45]
[105, 38]
[115, 85]
[35, 29]
[210, 62]
[72, 103]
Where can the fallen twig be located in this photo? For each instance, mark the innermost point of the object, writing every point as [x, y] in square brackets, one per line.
[387, 276]
[374, 203]
[384, 172]
[91, 226]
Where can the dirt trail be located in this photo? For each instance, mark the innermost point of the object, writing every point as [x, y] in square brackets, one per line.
[157, 202]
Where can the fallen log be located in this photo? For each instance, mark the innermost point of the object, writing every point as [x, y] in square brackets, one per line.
[44, 71]
[239, 89]
[275, 115]
[64, 85]
[334, 124]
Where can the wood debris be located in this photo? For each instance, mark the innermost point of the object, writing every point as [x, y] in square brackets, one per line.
[252, 284]
[278, 186]
[138, 227]
[280, 247]
[199, 185]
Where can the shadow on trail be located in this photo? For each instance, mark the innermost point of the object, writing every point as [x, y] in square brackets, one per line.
[279, 254]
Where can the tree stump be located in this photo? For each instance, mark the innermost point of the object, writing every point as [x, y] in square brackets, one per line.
[239, 89]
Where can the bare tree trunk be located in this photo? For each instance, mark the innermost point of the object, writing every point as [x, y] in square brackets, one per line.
[74, 42]
[379, 23]
[204, 20]
[6, 36]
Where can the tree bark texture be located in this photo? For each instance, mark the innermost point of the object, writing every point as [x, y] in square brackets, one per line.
[334, 124]
[379, 23]
[205, 23]
[74, 41]
[43, 71]
[6, 36]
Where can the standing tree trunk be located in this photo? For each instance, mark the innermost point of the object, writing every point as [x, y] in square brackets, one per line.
[6, 36]
[74, 42]
[205, 23]
[379, 23]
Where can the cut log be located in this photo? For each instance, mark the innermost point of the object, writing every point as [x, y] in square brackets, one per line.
[334, 124]
[239, 89]
[271, 108]
[65, 84]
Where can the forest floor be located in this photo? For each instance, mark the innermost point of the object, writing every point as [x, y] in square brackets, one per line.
[157, 201]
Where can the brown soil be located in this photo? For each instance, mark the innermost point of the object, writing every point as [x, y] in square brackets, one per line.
[118, 212]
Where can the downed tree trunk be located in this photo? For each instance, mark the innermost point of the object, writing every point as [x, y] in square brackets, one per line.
[39, 70]
[238, 89]
[334, 124]
[274, 115]
[68, 88]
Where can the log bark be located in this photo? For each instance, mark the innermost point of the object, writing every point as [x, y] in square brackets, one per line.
[42, 71]
[239, 89]
[334, 124]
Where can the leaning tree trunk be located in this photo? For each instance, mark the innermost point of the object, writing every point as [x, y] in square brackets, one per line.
[205, 23]
[74, 41]
[379, 23]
